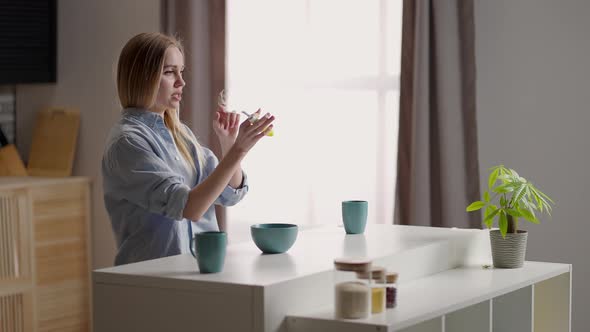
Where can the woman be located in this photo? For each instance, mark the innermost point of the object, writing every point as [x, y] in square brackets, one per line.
[156, 176]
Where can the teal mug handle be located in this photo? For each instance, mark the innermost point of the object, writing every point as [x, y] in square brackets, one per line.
[190, 238]
[193, 240]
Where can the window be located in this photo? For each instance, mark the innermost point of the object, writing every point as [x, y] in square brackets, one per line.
[329, 71]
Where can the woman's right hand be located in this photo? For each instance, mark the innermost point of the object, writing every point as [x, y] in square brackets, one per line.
[250, 133]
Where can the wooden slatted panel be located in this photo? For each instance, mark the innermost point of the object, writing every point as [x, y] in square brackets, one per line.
[9, 236]
[64, 306]
[61, 257]
[66, 228]
[16, 305]
[59, 201]
[14, 237]
[4, 238]
[61, 261]
[13, 310]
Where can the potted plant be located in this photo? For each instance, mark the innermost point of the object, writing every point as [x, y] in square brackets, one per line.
[510, 197]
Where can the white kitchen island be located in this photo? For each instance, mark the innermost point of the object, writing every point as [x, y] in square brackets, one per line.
[442, 287]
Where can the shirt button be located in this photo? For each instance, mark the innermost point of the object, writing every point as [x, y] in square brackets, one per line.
[177, 158]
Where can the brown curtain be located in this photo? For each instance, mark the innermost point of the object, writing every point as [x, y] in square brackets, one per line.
[200, 24]
[217, 58]
[438, 169]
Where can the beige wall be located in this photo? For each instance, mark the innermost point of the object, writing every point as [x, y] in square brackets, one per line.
[533, 86]
[90, 37]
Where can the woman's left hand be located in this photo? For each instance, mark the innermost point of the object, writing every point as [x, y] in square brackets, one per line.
[226, 126]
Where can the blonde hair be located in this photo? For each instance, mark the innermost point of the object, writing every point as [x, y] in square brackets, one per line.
[138, 79]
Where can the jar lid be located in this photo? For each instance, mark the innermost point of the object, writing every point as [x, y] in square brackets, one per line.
[391, 277]
[377, 273]
[352, 264]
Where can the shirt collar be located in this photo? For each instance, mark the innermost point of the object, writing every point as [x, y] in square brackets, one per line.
[151, 119]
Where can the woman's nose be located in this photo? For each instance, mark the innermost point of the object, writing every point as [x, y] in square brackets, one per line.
[180, 82]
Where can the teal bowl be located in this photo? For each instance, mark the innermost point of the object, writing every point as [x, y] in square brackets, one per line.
[274, 238]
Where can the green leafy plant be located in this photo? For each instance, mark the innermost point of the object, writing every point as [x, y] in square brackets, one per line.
[516, 198]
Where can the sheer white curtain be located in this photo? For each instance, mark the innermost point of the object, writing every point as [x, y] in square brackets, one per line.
[329, 71]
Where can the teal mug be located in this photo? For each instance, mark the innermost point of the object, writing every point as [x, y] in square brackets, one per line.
[354, 216]
[210, 251]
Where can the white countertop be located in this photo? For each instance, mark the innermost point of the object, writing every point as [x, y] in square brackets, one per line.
[313, 252]
[440, 272]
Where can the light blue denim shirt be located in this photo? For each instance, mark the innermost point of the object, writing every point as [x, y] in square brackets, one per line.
[146, 184]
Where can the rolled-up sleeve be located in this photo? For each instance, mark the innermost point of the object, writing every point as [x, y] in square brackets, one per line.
[230, 196]
[133, 172]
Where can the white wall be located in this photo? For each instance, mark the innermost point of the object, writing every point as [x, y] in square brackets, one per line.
[533, 63]
[90, 37]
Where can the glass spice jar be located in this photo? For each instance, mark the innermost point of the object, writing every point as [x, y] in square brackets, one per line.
[377, 275]
[391, 290]
[352, 297]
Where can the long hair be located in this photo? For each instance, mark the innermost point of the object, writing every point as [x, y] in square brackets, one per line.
[138, 79]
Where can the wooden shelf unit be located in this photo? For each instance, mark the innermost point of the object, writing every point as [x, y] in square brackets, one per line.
[44, 254]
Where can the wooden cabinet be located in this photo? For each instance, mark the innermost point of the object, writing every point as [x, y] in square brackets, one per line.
[44, 254]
